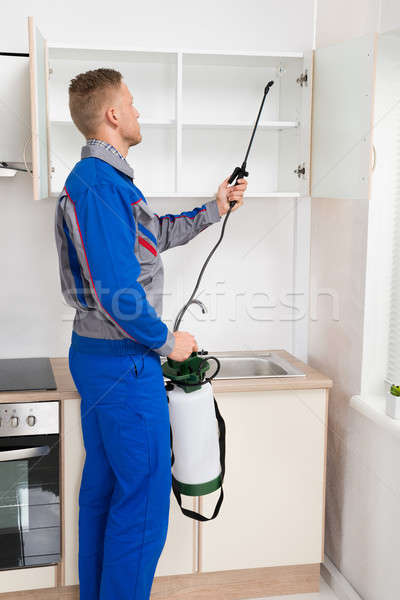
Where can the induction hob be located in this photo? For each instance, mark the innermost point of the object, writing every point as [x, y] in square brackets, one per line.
[26, 374]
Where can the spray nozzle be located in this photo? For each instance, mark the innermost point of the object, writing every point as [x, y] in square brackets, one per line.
[269, 84]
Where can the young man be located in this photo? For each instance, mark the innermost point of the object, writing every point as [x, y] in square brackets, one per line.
[109, 243]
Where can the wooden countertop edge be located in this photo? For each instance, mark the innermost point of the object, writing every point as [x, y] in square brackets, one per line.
[66, 389]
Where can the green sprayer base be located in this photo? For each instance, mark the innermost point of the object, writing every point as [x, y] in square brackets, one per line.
[188, 374]
[199, 489]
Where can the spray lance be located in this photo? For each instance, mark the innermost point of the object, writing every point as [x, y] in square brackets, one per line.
[196, 426]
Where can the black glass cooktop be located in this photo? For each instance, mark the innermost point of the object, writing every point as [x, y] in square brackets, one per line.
[26, 374]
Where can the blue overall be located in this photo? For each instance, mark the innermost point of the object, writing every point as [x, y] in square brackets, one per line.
[124, 497]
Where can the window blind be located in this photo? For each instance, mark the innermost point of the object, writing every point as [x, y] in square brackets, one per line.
[393, 359]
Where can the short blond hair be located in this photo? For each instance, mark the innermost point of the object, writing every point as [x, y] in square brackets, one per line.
[86, 97]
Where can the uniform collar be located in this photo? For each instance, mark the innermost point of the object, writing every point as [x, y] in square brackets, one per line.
[101, 151]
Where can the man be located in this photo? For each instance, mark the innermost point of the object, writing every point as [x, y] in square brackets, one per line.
[109, 243]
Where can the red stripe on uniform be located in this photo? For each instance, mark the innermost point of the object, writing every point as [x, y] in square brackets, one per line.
[146, 244]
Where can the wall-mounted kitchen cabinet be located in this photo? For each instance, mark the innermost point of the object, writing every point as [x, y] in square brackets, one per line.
[197, 110]
[343, 101]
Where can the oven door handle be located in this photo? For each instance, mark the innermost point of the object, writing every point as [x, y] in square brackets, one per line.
[22, 453]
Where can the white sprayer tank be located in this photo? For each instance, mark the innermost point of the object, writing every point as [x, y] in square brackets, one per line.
[195, 440]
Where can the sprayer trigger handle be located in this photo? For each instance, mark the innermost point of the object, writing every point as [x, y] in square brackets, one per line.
[240, 175]
[235, 173]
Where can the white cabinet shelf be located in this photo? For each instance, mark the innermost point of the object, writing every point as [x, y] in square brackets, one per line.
[203, 124]
[197, 110]
[246, 125]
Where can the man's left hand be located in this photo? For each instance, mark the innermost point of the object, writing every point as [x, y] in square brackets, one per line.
[227, 192]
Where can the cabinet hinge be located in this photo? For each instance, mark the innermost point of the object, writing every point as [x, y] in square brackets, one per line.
[303, 79]
[300, 171]
[50, 71]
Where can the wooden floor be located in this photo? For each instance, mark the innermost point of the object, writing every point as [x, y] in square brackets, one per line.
[240, 584]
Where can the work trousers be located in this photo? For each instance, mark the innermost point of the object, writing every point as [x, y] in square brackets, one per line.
[124, 496]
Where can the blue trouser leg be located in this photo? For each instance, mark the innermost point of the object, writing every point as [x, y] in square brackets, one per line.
[125, 490]
[94, 498]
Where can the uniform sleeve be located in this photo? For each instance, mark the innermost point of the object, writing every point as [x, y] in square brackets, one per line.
[104, 234]
[175, 230]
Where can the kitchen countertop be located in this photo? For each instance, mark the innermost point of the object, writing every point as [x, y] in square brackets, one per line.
[66, 389]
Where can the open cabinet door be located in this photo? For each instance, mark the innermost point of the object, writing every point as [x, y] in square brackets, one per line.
[343, 93]
[39, 76]
[305, 120]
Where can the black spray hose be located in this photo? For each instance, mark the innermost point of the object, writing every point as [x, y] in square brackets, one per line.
[188, 303]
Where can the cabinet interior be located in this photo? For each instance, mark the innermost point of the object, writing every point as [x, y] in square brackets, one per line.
[197, 111]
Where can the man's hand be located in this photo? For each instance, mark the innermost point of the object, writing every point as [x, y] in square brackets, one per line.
[185, 344]
[227, 192]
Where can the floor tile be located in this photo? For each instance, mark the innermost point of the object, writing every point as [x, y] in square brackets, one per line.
[325, 593]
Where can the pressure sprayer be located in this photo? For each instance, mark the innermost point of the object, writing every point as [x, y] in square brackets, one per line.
[196, 426]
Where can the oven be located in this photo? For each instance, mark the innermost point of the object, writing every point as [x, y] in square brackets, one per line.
[29, 484]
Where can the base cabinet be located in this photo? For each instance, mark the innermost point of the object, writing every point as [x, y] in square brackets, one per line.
[274, 486]
[35, 578]
[274, 489]
[73, 460]
[268, 537]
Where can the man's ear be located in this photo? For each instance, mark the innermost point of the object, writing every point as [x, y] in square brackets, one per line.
[111, 115]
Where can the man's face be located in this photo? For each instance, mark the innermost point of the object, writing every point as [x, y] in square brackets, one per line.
[129, 126]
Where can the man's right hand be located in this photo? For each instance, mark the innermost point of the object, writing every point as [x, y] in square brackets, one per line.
[185, 344]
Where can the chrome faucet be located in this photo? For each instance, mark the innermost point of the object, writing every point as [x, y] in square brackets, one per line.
[200, 303]
[181, 313]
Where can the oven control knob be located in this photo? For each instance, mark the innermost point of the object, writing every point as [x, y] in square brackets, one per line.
[31, 420]
[14, 421]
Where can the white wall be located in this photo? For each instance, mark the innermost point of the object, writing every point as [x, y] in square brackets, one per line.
[343, 19]
[389, 17]
[226, 24]
[257, 253]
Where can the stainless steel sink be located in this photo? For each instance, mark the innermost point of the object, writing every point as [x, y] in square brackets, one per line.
[268, 364]
[246, 367]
